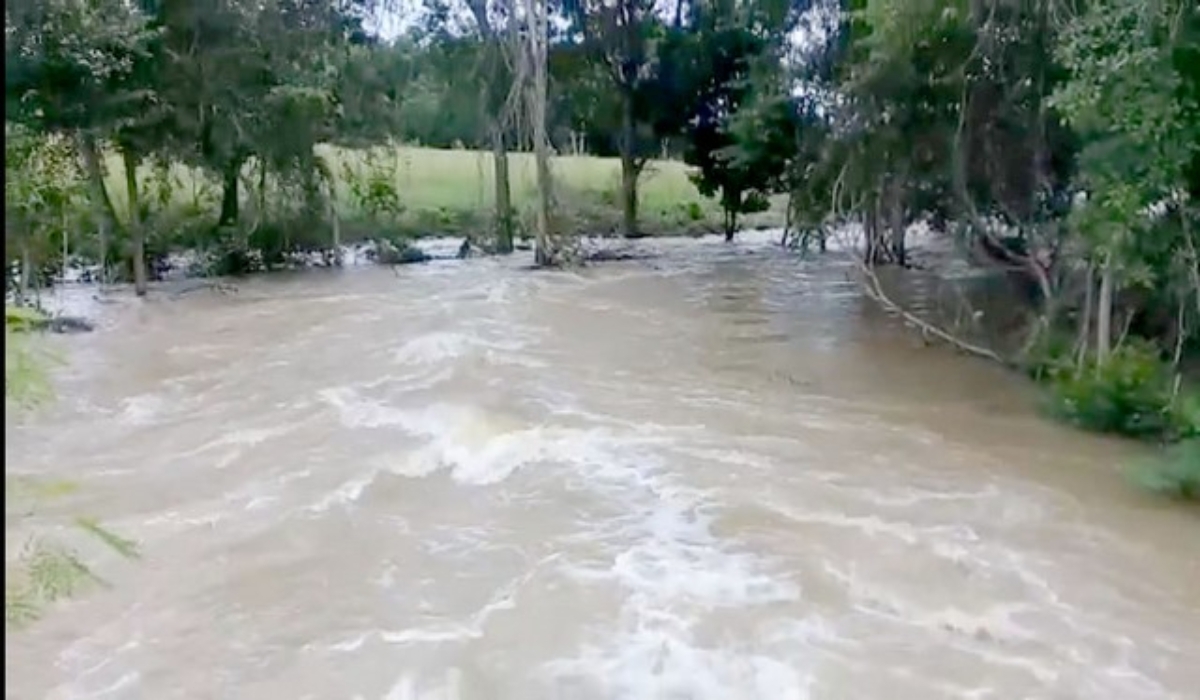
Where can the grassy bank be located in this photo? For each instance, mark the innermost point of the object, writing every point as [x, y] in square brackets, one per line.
[429, 192]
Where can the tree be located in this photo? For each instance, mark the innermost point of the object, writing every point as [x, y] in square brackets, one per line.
[493, 75]
[1138, 119]
[79, 70]
[621, 37]
[723, 81]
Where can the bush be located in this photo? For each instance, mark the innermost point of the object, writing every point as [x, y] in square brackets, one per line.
[1129, 394]
[1176, 473]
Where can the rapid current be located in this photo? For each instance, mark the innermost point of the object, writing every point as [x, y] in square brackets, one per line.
[718, 473]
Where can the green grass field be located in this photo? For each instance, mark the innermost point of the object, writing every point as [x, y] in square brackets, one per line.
[430, 178]
[444, 191]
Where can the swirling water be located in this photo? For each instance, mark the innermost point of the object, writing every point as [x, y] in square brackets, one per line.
[718, 473]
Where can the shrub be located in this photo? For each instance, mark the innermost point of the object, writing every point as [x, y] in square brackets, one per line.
[1129, 394]
[1176, 472]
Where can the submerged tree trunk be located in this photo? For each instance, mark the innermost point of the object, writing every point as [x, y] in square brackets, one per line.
[496, 120]
[504, 223]
[545, 253]
[873, 252]
[26, 280]
[137, 236]
[730, 224]
[66, 247]
[899, 248]
[335, 223]
[629, 168]
[788, 218]
[102, 205]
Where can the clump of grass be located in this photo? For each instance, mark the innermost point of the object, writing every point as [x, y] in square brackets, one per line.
[1131, 393]
[26, 382]
[47, 571]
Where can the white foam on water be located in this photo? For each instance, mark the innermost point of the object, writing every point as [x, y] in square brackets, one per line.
[144, 409]
[355, 411]
[440, 346]
[674, 574]
[645, 664]
[345, 494]
[125, 682]
[442, 631]
[433, 347]
[474, 457]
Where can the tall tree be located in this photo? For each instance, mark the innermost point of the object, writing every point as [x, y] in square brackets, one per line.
[82, 70]
[621, 36]
[493, 78]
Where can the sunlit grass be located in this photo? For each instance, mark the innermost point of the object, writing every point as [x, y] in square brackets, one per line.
[459, 185]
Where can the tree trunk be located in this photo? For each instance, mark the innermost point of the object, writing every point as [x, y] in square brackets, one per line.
[335, 224]
[629, 174]
[896, 223]
[1085, 323]
[787, 223]
[229, 194]
[102, 205]
[544, 252]
[136, 235]
[1104, 313]
[66, 248]
[504, 219]
[871, 254]
[730, 224]
[26, 272]
[262, 188]
[504, 213]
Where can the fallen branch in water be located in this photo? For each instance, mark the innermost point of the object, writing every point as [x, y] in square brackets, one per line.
[196, 285]
[874, 289]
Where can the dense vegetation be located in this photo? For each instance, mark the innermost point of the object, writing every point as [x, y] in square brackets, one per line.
[1056, 141]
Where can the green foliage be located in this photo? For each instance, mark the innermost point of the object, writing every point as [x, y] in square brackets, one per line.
[1124, 97]
[43, 191]
[45, 571]
[1175, 473]
[73, 66]
[26, 384]
[373, 185]
[1132, 393]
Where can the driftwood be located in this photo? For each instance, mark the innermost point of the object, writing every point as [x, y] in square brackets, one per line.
[198, 284]
[874, 289]
[62, 324]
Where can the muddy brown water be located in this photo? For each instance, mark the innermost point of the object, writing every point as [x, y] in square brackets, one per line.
[716, 474]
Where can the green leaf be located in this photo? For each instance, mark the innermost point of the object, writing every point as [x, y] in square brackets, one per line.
[125, 547]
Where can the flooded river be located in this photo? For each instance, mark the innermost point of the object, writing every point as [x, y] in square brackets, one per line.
[716, 474]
